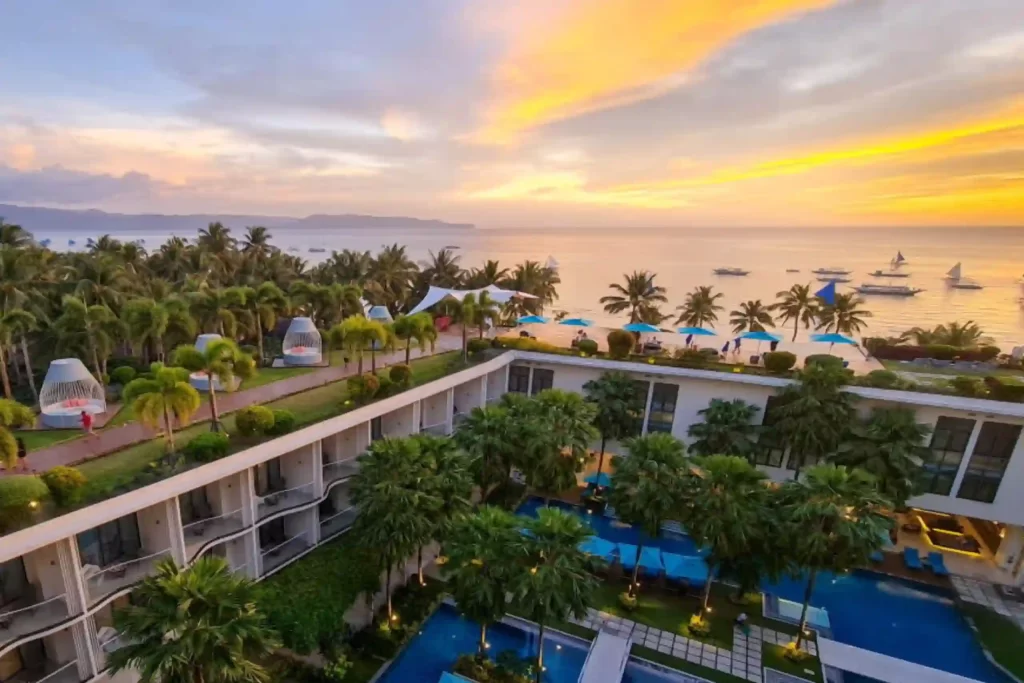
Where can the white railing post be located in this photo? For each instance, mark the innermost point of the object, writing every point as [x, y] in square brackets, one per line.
[449, 411]
[318, 469]
[71, 569]
[172, 511]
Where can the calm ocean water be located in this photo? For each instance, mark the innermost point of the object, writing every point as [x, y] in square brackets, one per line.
[684, 258]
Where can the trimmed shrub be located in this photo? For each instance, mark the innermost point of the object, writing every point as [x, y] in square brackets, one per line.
[401, 375]
[874, 344]
[882, 379]
[987, 353]
[587, 346]
[253, 420]
[935, 351]
[385, 387]
[475, 346]
[823, 359]
[779, 361]
[942, 351]
[620, 343]
[526, 344]
[122, 375]
[1004, 391]
[65, 483]
[284, 422]
[19, 499]
[690, 358]
[207, 447]
[968, 386]
[362, 388]
[628, 602]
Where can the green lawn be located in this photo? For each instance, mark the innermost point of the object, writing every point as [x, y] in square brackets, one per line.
[270, 375]
[1000, 636]
[36, 439]
[773, 657]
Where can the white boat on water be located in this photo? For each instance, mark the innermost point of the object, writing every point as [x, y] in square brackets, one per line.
[833, 279]
[956, 279]
[889, 273]
[731, 271]
[831, 270]
[887, 290]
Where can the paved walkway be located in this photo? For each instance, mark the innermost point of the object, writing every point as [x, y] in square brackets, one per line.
[987, 595]
[115, 438]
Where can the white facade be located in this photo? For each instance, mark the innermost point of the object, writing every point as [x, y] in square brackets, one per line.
[266, 506]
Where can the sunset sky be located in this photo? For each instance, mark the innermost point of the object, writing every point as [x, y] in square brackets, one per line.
[533, 112]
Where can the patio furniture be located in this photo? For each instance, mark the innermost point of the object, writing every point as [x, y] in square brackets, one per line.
[911, 528]
[912, 558]
[877, 557]
[938, 565]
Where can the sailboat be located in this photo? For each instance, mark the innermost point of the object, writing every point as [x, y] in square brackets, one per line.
[956, 279]
[898, 260]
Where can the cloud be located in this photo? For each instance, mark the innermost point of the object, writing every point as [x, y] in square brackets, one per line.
[401, 125]
[604, 53]
[56, 185]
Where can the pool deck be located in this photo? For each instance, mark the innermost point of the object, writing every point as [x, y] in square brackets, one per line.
[881, 667]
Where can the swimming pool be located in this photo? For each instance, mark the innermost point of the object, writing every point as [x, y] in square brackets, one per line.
[911, 621]
[614, 531]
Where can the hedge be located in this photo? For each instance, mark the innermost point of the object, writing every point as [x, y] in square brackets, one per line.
[1004, 391]
[284, 422]
[587, 346]
[879, 349]
[122, 375]
[19, 498]
[779, 361]
[253, 420]
[401, 375]
[207, 447]
[362, 388]
[620, 343]
[823, 359]
[475, 346]
[65, 483]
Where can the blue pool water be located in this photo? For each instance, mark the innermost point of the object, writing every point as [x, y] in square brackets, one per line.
[611, 530]
[911, 621]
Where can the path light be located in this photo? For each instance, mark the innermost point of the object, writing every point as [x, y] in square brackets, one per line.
[708, 609]
[558, 647]
[33, 504]
[487, 646]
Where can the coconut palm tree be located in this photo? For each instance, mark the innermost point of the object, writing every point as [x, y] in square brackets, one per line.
[256, 242]
[835, 520]
[646, 486]
[532, 278]
[18, 323]
[98, 280]
[701, 308]
[91, 330]
[221, 361]
[391, 278]
[449, 479]
[485, 311]
[724, 501]
[266, 302]
[486, 435]
[466, 313]
[639, 296]
[442, 270]
[212, 309]
[410, 327]
[751, 315]
[799, 305]
[890, 445]
[12, 235]
[491, 273]
[13, 415]
[620, 408]
[727, 429]
[845, 316]
[195, 625]
[167, 395]
[145, 325]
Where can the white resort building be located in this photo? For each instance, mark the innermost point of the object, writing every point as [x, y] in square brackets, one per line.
[267, 506]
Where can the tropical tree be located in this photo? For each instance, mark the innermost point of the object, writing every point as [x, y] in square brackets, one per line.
[835, 520]
[700, 308]
[561, 444]
[491, 273]
[798, 305]
[159, 400]
[482, 551]
[266, 302]
[722, 508]
[442, 270]
[221, 361]
[256, 243]
[12, 416]
[12, 235]
[466, 314]
[146, 324]
[646, 486]
[535, 279]
[214, 309]
[553, 579]
[890, 445]
[814, 415]
[727, 429]
[751, 315]
[98, 280]
[418, 327]
[391, 278]
[620, 407]
[359, 333]
[845, 316]
[449, 480]
[485, 311]
[486, 436]
[87, 329]
[196, 625]
[960, 335]
[639, 296]
[17, 323]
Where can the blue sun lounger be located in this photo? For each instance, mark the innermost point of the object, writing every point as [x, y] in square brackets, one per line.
[911, 558]
[938, 564]
[877, 557]
[627, 556]
[650, 561]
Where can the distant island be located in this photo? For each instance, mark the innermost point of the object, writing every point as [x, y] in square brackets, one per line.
[92, 221]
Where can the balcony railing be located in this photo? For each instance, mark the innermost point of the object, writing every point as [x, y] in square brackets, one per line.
[15, 623]
[55, 673]
[458, 418]
[103, 582]
[202, 531]
[109, 639]
[491, 400]
[337, 522]
[277, 555]
[339, 469]
[437, 430]
[276, 501]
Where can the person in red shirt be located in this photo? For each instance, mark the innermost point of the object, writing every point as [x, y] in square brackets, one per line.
[87, 423]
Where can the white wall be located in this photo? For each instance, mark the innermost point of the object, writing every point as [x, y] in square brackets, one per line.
[154, 529]
[42, 568]
[400, 422]
[469, 395]
[297, 467]
[433, 410]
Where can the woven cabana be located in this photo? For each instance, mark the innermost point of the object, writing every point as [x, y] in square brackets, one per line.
[68, 390]
[302, 343]
[199, 380]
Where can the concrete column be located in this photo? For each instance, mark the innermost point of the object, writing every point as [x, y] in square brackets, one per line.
[417, 417]
[318, 469]
[71, 570]
[248, 497]
[449, 411]
[175, 532]
[1011, 548]
[529, 383]
[971, 443]
[647, 405]
[257, 558]
[483, 391]
[87, 661]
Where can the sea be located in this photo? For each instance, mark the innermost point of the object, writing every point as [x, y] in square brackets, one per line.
[682, 258]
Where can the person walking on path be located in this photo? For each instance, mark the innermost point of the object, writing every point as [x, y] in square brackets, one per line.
[87, 423]
[22, 452]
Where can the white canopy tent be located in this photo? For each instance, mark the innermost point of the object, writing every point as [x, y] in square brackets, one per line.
[437, 294]
[69, 390]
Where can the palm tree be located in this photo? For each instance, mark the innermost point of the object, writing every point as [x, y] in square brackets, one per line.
[532, 278]
[146, 324]
[700, 308]
[442, 270]
[485, 434]
[416, 326]
[751, 315]
[485, 311]
[465, 315]
[98, 280]
[723, 504]
[835, 520]
[566, 427]
[727, 429]
[266, 302]
[797, 304]
[358, 333]
[12, 416]
[646, 486]
[640, 296]
[196, 625]
[553, 578]
[212, 309]
[620, 407]
[813, 415]
[491, 273]
[844, 316]
[391, 278]
[257, 242]
[961, 335]
[12, 235]
[221, 362]
[18, 323]
[481, 556]
[168, 394]
[89, 329]
[890, 445]
[449, 480]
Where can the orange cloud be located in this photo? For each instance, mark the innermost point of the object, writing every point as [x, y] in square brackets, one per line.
[603, 53]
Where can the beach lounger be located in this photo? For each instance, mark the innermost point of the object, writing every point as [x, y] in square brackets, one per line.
[877, 557]
[911, 558]
[938, 564]
[627, 556]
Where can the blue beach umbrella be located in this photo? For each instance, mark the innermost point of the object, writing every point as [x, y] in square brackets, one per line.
[760, 336]
[640, 327]
[601, 479]
[833, 338]
[697, 331]
[576, 322]
[532, 320]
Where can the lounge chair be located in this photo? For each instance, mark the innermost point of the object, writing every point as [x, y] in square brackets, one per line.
[911, 558]
[877, 557]
[938, 564]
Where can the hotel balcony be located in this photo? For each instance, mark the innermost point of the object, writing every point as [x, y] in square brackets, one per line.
[338, 470]
[276, 555]
[30, 615]
[101, 582]
[275, 501]
[337, 522]
[201, 532]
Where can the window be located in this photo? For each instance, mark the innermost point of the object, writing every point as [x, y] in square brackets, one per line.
[642, 387]
[542, 379]
[988, 461]
[519, 379]
[376, 429]
[110, 543]
[272, 534]
[194, 506]
[663, 407]
[949, 443]
[268, 477]
[769, 450]
[13, 581]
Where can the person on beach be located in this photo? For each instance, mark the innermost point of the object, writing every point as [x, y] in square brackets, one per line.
[87, 423]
